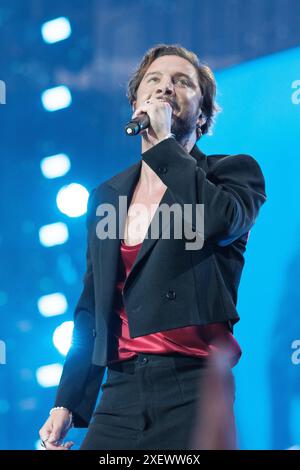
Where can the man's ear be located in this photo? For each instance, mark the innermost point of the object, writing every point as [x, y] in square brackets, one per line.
[133, 106]
[201, 119]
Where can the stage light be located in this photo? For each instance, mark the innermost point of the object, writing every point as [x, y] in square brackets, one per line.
[53, 234]
[56, 30]
[52, 304]
[62, 337]
[49, 376]
[72, 200]
[56, 98]
[55, 165]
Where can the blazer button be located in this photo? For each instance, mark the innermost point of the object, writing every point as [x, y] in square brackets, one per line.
[170, 295]
[94, 333]
[162, 169]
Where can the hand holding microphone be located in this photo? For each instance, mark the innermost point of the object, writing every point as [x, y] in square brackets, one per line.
[157, 112]
[137, 124]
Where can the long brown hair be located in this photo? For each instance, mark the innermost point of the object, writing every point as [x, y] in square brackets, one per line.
[206, 80]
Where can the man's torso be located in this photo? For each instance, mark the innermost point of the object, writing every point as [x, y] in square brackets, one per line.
[138, 221]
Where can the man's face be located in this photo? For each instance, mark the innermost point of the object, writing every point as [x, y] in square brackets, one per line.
[175, 79]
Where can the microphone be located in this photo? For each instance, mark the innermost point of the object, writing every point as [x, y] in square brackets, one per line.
[136, 125]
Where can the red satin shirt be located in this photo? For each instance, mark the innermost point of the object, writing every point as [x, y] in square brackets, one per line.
[196, 340]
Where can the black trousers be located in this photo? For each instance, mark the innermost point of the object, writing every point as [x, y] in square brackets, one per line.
[154, 402]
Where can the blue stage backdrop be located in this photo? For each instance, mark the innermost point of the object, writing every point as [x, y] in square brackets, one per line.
[261, 110]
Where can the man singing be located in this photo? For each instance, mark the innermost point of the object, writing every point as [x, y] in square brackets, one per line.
[154, 310]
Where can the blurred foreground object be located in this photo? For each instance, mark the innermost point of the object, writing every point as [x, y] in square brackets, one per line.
[216, 429]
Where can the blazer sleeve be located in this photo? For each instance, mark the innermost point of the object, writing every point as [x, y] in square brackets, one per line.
[81, 379]
[232, 191]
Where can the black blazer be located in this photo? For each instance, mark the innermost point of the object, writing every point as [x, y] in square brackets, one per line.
[168, 286]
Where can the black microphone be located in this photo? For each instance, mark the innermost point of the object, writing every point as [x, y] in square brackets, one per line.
[137, 124]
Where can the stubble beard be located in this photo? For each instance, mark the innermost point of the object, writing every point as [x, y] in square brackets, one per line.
[183, 128]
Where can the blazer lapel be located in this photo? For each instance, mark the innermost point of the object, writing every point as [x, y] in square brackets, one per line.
[123, 185]
[200, 157]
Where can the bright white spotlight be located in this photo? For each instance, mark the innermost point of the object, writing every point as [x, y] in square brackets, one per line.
[55, 165]
[52, 304]
[62, 337]
[56, 98]
[54, 234]
[56, 30]
[72, 200]
[49, 376]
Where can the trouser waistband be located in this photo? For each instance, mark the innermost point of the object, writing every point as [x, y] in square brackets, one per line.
[129, 365]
